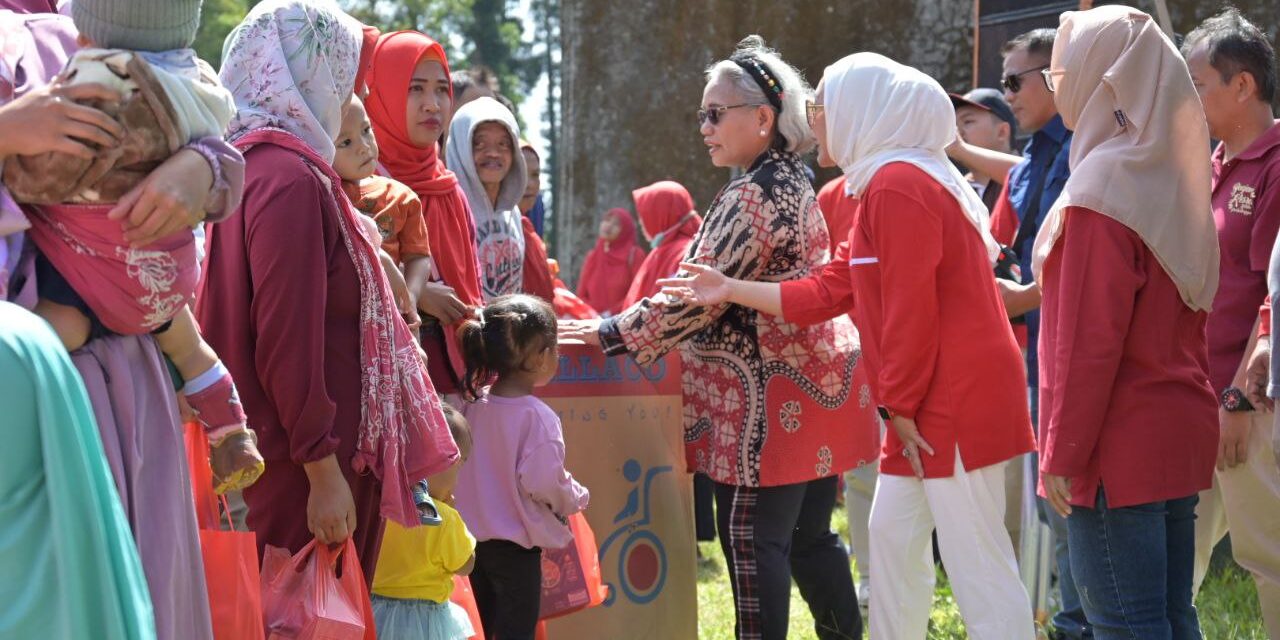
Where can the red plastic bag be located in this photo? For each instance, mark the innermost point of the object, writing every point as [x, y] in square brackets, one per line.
[568, 306]
[465, 598]
[230, 557]
[571, 576]
[318, 594]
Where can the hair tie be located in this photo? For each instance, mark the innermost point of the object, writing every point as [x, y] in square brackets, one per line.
[763, 76]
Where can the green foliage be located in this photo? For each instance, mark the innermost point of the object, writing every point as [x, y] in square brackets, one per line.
[440, 19]
[472, 32]
[217, 19]
[1228, 602]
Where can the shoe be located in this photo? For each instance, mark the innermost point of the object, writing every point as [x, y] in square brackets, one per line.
[235, 461]
[428, 514]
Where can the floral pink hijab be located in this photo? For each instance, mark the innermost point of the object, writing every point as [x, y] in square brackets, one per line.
[291, 65]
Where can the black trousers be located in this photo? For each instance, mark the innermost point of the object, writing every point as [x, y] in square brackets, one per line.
[507, 582]
[704, 510]
[773, 534]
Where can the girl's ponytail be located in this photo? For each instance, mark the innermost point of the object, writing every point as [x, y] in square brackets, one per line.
[502, 337]
[476, 357]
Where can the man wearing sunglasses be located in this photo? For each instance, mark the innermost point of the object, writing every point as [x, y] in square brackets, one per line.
[1032, 187]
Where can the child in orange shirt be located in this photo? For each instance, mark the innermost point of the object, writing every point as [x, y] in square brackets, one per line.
[394, 207]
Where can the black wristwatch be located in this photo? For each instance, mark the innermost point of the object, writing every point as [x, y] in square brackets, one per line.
[1233, 400]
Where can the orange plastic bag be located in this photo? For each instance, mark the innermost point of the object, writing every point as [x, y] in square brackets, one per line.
[230, 557]
[465, 598]
[201, 475]
[571, 576]
[235, 588]
[317, 594]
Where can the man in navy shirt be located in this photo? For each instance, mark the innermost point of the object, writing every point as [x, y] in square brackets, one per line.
[1033, 186]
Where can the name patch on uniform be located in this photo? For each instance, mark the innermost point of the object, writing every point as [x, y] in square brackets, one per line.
[1242, 197]
[853, 262]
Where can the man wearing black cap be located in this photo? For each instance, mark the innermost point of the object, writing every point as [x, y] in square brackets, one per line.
[985, 121]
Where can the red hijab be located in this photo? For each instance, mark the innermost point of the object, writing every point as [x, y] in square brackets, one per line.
[537, 275]
[667, 213]
[369, 41]
[611, 266]
[448, 216]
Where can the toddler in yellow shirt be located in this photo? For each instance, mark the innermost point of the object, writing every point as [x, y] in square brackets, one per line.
[414, 578]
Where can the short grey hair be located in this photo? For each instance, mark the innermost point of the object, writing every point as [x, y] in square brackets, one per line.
[792, 132]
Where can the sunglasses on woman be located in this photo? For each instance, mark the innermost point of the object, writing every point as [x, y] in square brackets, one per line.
[714, 114]
[1013, 82]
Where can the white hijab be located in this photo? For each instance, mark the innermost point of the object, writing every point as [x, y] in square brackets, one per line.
[879, 111]
[1140, 153]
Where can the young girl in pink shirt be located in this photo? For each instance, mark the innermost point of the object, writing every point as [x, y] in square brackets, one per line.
[515, 496]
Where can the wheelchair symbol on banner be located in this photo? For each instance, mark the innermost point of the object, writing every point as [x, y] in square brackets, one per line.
[642, 560]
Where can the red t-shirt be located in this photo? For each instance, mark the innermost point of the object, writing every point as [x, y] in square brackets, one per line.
[934, 331]
[838, 209]
[1004, 228]
[1124, 392]
[1246, 210]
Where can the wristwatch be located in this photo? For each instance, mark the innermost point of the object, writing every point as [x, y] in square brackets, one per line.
[1233, 400]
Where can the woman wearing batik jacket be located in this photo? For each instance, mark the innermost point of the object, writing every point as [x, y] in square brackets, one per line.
[774, 412]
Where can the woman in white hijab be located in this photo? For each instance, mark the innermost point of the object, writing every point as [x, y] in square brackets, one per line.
[1128, 264]
[947, 371]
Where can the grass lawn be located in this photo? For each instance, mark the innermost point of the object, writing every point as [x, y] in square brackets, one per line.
[1228, 603]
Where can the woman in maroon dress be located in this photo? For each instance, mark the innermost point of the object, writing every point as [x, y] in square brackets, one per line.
[296, 300]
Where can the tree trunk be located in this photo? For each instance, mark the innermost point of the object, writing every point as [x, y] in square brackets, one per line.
[632, 78]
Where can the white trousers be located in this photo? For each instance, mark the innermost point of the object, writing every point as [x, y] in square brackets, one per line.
[968, 511]
[1245, 501]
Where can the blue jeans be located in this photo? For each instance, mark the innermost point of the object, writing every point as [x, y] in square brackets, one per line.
[1133, 567]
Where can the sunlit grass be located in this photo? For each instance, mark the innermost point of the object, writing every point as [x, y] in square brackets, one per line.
[1228, 603]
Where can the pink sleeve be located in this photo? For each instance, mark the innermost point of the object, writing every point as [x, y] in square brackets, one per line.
[286, 250]
[821, 296]
[542, 475]
[908, 244]
[1099, 276]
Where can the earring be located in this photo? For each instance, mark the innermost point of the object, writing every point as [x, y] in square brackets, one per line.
[763, 133]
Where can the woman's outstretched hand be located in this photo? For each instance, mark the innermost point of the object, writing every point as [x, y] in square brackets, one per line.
[585, 331]
[702, 286]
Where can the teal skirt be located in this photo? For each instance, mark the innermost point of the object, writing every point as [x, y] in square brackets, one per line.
[399, 619]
